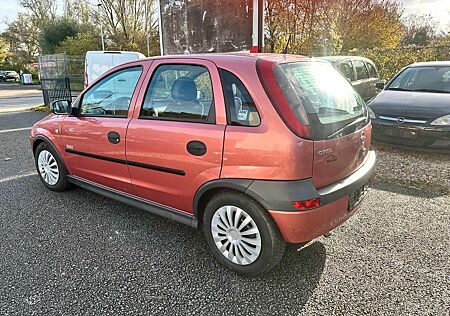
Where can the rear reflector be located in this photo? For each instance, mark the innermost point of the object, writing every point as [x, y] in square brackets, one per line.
[307, 204]
[270, 75]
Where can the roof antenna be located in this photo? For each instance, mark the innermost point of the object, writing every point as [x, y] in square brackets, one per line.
[285, 50]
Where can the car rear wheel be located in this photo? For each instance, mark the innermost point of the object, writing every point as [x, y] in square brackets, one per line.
[51, 168]
[241, 234]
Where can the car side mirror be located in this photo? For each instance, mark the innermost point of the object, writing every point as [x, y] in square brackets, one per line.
[380, 85]
[59, 107]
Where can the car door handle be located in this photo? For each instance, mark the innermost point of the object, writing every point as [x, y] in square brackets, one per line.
[196, 148]
[113, 137]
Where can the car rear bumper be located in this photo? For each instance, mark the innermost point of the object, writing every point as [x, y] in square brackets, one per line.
[297, 227]
[423, 137]
[300, 226]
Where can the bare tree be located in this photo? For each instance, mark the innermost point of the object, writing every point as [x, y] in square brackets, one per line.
[41, 11]
[125, 22]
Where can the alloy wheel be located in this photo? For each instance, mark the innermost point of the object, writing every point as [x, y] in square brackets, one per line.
[236, 235]
[48, 167]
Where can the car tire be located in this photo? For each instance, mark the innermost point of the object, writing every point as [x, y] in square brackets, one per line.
[50, 167]
[230, 241]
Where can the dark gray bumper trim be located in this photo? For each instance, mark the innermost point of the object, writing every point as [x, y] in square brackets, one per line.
[279, 195]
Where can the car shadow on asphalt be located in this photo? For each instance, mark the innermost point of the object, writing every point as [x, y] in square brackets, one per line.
[416, 189]
[104, 244]
[283, 290]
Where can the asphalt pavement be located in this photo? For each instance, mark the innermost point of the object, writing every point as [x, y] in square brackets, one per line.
[15, 97]
[78, 253]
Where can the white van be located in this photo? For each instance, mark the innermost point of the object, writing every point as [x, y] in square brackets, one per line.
[99, 62]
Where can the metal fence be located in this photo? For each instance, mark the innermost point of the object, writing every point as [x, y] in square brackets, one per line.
[60, 76]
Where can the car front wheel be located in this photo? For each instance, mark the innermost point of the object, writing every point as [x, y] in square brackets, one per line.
[241, 234]
[51, 168]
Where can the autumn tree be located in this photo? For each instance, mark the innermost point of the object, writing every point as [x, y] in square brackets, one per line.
[324, 27]
[3, 50]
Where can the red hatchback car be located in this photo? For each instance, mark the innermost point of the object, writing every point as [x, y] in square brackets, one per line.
[256, 150]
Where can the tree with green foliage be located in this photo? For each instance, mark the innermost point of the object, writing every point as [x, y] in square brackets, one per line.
[56, 32]
[79, 44]
[21, 37]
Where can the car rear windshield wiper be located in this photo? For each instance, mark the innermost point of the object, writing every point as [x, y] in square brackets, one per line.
[399, 89]
[327, 109]
[349, 125]
[431, 90]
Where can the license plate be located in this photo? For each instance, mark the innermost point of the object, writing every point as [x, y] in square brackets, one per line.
[357, 196]
[401, 132]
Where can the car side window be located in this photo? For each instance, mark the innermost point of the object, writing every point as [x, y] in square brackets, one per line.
[372, 70]
[241, 110]
[346, 68]
[180, 92]
[361, 69]
[112, 95]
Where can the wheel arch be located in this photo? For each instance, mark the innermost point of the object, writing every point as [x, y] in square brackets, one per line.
[209, 189]
[39, 139]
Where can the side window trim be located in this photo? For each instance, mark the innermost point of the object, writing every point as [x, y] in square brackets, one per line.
[348, 60]
[79, 100]
[222, 73]
[211, 119]
[356, 71]
[374, 68]
[366, 64]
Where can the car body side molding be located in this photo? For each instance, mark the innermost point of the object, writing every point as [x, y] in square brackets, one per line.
[127, 162]
[152, 207]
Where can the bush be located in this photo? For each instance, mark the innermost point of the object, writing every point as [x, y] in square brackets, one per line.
[391, 61]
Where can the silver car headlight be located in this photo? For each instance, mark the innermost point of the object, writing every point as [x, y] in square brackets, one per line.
[443, 120]
[371, 113]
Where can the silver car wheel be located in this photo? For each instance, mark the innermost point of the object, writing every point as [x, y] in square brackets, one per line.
[48, 167]
[236, 235]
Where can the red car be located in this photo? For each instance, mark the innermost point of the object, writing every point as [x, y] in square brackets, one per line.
[256, 150]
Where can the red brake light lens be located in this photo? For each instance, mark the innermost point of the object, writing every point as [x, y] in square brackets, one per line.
[307, 204]
[267, 71]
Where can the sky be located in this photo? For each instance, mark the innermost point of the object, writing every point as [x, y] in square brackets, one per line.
[439, 9]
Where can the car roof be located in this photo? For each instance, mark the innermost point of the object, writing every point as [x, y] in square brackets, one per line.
[240, 56]
[431, 64]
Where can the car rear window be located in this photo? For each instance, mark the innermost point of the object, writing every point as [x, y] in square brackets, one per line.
[319, 91]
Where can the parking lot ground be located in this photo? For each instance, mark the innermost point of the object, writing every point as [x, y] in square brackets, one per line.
[78, 253]
[15, 97]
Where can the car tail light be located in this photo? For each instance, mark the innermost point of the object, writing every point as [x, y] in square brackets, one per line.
[307, 204]
[267, 71]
